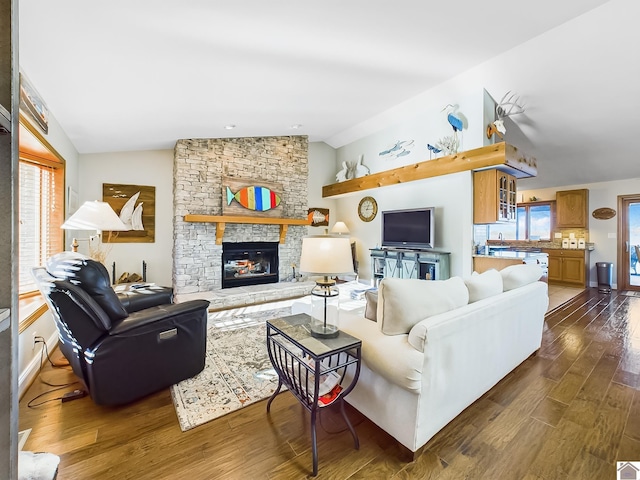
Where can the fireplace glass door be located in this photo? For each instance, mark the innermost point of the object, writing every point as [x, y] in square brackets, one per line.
[249, 263]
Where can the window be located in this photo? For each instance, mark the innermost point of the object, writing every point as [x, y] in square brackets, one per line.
[533, 223]
[41, 206]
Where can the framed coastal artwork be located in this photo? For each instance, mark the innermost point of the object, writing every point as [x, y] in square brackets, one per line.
[251, 198]
[136, 206]
[32, 105]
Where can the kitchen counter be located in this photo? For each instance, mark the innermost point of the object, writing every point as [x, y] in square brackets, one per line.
[503, 258]
[512, 254]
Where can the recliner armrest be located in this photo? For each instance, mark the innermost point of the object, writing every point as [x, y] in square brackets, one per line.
[149, 316]
[135, 299]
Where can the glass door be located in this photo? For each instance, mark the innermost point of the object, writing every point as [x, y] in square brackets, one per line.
[629, 242]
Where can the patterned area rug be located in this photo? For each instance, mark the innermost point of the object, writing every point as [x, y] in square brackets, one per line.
[237, 369]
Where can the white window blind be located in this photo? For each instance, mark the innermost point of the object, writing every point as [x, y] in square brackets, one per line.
[41, 214]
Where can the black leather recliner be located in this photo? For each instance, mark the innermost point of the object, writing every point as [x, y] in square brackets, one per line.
[121, 347]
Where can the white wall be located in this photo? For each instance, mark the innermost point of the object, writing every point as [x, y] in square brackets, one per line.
[424, 122]
[452, 197]
[152, 168]
[322, 160]
[602, 194]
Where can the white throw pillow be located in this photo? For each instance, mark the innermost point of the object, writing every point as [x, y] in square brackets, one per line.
[515, 276]
[484, 285]
[371, 308]
[404, 302]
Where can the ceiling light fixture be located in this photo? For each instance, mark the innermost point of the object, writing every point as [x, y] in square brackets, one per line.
[229, 127]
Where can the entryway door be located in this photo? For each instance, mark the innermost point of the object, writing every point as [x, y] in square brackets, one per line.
[629, 242]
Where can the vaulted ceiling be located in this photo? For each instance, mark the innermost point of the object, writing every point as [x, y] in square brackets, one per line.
[137, 75]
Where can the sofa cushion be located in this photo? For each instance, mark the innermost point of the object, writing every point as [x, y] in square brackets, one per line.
[404, 302]
[371, 308]
[515, 276]
[483, 285]
[386, 355]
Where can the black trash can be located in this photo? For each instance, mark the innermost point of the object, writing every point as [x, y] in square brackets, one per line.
[605, 276]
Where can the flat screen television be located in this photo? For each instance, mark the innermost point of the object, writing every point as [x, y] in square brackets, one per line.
[409, 228]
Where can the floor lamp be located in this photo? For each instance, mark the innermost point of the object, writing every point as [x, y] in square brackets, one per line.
[98, 216]
[325, 256]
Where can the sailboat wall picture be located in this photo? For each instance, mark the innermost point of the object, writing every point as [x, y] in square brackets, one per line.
[136, 207]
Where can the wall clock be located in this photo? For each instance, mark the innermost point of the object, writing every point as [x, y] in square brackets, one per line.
[367, 209]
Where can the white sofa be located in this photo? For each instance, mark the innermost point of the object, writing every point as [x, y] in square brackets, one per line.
[437, 346]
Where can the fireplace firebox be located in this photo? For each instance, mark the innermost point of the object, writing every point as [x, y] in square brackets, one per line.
[249, 263]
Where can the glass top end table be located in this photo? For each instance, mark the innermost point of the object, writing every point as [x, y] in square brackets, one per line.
[313, 369]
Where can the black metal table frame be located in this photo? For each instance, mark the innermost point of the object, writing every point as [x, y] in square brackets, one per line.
[303, 382]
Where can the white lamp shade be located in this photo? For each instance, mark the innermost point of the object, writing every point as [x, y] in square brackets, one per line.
[94, 215]
[326, 255]
[340, 227]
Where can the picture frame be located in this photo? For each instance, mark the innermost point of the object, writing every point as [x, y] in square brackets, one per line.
[32, 105]
[72, 201]
[136, 207]
[318, 217]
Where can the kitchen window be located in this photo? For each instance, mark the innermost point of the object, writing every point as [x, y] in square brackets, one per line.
[534, 221]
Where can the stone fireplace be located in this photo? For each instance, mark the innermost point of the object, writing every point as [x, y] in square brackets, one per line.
[199, 165]
[249, 263]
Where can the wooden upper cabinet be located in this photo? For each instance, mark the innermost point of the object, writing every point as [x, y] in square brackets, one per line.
[572, 209]
[494, 197]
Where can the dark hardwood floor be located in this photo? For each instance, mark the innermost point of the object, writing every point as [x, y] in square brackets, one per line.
[569, 412]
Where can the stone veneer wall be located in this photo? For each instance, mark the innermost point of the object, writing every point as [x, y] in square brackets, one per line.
[199, 166]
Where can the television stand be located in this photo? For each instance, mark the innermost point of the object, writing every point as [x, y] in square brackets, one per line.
[424, 264]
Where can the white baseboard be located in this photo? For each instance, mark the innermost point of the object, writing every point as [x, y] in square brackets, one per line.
[30, 373]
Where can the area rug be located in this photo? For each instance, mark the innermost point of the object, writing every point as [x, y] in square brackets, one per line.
[37, 466]
[237, 369]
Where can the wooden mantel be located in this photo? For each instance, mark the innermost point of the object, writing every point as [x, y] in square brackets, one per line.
[222, 220]
[499, 155]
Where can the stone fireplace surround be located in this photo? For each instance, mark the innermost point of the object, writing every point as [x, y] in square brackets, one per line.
[199, 165]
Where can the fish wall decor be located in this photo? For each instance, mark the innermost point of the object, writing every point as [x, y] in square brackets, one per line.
[318, 217]
[398, 149]
[255, 197]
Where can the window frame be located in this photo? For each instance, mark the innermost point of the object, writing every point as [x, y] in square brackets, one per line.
[34, 148]
[526, 206]
[552, 222]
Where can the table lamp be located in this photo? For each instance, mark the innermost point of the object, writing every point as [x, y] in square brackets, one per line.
[94, 215]
[325, 256]
[340, 228]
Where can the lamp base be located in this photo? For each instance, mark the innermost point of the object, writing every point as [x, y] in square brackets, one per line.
[324, 309]
[321, 331]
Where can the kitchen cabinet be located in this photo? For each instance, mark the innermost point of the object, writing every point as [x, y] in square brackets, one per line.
[572, 209]
[494, 197]
[484, 263]
[568, 266]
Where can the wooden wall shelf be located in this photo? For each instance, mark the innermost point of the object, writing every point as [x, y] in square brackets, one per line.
[499, 155]
[222, 220]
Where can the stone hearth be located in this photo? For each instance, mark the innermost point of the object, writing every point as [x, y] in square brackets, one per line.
[250, 295]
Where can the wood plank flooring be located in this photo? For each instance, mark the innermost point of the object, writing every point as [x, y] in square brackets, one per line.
[569, 412]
